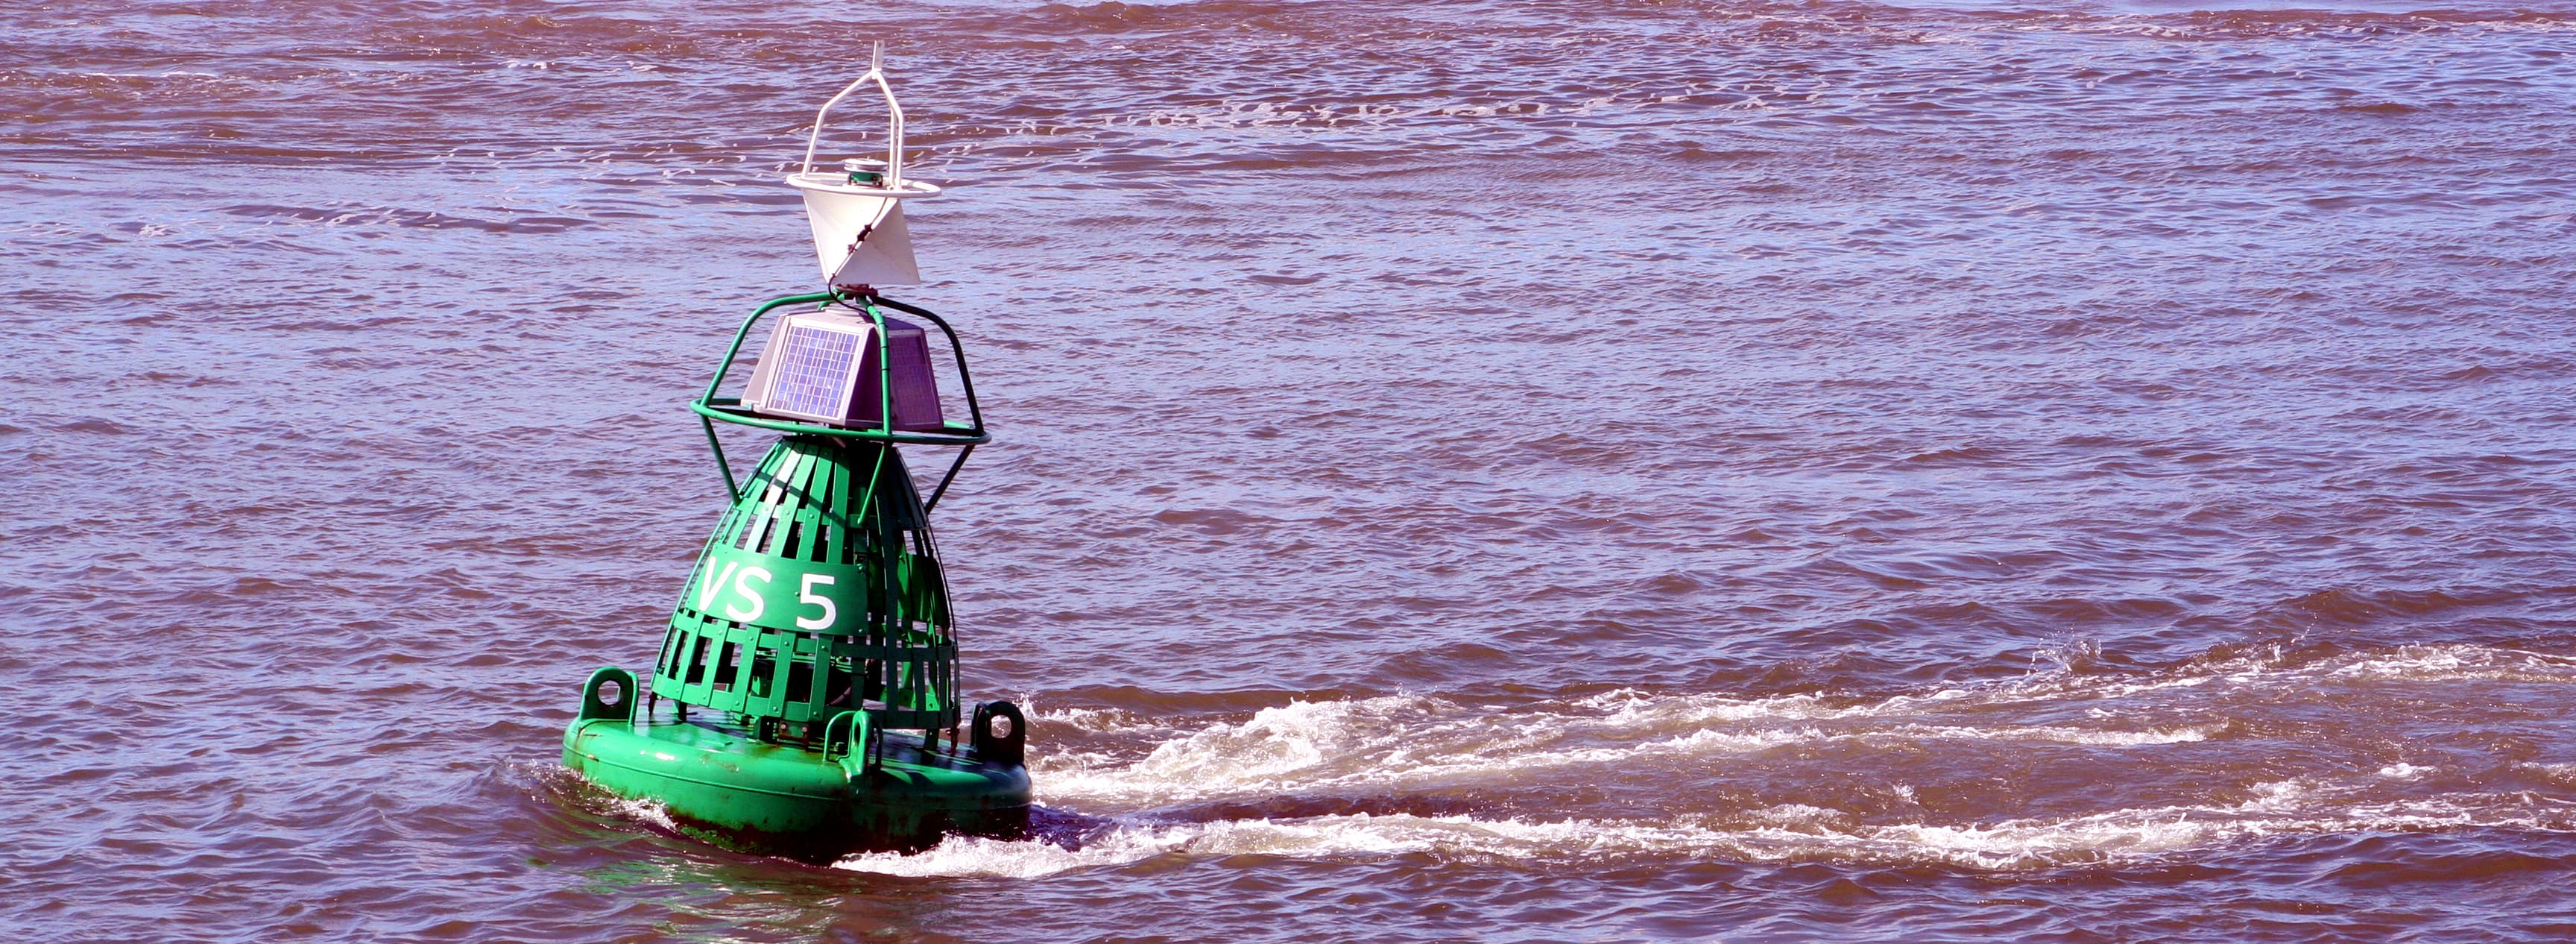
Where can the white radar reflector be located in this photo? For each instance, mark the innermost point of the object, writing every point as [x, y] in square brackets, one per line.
[857, 211]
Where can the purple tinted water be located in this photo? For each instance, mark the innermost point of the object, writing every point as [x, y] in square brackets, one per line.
[1493, 471]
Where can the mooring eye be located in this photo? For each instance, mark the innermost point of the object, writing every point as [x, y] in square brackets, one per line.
[611, 694]
[1001, 726]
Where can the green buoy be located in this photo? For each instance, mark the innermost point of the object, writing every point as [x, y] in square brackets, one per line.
[804, 701]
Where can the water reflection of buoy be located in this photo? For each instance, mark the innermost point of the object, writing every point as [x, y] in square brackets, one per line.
[805, 697]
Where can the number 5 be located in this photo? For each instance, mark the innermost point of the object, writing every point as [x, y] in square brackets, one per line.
[805, 594]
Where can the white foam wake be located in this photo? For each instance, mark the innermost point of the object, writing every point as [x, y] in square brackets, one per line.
[1403, 746]
[1411, 743]
[1788, 833]
[1405, 742]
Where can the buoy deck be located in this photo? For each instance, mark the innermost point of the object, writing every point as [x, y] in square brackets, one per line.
[721, 785]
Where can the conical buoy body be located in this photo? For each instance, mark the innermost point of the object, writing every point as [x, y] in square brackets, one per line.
[812, 672]
[819, 592]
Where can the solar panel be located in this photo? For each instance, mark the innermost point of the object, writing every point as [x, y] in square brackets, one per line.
[822, 366]
[815, 364]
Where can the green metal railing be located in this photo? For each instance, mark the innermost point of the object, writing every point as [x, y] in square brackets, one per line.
[711, 408]
[819, 593]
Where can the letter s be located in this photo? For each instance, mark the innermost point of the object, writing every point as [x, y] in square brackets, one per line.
[744, 590]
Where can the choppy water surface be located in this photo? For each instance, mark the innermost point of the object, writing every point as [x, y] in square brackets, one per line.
[1567, 471]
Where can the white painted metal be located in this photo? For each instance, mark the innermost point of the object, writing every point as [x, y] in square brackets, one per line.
[859, 235]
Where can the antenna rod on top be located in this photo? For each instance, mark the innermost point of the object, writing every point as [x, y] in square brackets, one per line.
[894, 123]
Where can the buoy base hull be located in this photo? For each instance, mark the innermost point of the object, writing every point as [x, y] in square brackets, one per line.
[738, 792]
